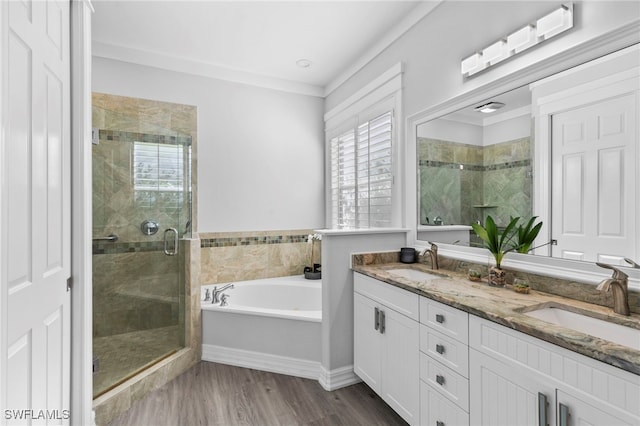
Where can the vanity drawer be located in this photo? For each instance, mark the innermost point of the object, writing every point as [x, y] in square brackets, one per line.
[401, 301]
[447, 382]
[445, 319]
[446, 350]
[435, 409]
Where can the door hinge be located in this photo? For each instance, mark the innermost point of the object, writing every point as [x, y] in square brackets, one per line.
[69, 283]
[96, 365]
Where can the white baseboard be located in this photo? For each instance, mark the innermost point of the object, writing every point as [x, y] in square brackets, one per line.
[261, 361]
[338, 378]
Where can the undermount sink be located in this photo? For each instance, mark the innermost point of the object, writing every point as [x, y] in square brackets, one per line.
[567, 317]
[413, 274]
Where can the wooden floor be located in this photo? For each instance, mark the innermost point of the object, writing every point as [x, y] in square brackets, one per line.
[217, 394]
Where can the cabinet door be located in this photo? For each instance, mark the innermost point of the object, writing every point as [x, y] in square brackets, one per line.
[400, 363]
[366, 342]
[502, 394]
[573, 412]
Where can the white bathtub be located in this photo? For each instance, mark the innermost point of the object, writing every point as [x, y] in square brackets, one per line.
[271, 324]
[284, 297]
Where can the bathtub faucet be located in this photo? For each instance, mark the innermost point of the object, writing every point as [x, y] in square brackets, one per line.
[215, 294]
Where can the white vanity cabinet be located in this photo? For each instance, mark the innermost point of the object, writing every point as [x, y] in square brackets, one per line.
[516, 379]
[444, 364]
[440, 366]
[386, 339]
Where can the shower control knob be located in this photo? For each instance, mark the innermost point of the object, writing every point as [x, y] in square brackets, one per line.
[149, 227]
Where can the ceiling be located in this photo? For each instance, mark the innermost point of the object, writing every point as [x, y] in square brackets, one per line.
[256, 42]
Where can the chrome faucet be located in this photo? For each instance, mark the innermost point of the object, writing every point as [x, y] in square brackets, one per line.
[617, 284]
[632, 263]
[433, 253]
[223, 300]
[215, 294]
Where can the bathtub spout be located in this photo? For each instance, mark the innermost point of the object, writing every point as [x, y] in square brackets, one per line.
[215, 294]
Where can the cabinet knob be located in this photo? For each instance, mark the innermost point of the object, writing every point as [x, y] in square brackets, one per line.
[439, 318]
[440, 379]
[440, 349]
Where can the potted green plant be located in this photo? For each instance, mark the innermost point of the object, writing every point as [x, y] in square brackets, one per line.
[527, 234]
[498, 243]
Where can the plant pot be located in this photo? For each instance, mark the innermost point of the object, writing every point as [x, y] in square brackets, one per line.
[497, 277]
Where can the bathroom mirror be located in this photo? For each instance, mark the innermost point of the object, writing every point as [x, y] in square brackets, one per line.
[564, 149]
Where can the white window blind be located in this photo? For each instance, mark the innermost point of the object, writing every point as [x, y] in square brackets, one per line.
[362, 175]
[158, 172]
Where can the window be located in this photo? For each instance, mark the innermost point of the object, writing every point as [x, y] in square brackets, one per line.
[159, 175]
[362, 175]
[362, 155]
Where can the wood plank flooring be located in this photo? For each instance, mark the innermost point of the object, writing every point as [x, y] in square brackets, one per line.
[218, 394]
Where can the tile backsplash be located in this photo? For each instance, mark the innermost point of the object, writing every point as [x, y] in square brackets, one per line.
[239, 256]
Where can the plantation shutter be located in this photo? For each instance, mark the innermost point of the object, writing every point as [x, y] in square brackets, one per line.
[361, 175]
[159, 174]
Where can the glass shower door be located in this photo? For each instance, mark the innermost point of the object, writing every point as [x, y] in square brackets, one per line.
[141, 210]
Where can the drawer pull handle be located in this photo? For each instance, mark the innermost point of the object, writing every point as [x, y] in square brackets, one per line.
[440, 379]
[382, 322]
[376, 318]
[440, 349]
[439, 423]
[439, 318]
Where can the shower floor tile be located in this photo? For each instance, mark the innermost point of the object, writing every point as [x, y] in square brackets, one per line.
[122, 354]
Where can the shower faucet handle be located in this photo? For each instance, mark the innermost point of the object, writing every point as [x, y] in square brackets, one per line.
[223, 299]
[207, 294]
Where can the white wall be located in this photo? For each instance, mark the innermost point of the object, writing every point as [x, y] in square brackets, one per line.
[507, 130]
[431, 51]
[452, 131]
[260, 151]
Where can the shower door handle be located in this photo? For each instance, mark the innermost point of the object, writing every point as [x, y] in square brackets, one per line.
[167, 249]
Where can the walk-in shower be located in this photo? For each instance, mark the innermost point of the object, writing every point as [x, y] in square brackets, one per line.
[142, 208]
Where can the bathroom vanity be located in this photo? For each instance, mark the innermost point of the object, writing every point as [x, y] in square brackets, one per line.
[442, 350]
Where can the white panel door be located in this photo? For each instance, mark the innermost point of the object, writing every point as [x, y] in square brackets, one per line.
[35, 211]
[594, 150]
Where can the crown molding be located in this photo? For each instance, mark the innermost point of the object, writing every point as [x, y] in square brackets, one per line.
[203, 69]
[411, 19]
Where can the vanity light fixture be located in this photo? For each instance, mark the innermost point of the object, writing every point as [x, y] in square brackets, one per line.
[544, 28]
[489, 107]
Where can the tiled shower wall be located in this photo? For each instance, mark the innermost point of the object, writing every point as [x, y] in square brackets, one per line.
[136, 286]
[455, 177]
[239, 256]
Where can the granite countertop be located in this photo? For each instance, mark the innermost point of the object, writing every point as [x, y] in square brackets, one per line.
[505, 306]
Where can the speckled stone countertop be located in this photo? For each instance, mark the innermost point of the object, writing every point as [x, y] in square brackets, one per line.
[505, 306]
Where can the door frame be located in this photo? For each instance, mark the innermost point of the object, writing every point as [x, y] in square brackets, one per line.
[81, 216]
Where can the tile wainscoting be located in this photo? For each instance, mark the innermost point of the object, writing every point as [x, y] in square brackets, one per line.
[240, 256]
